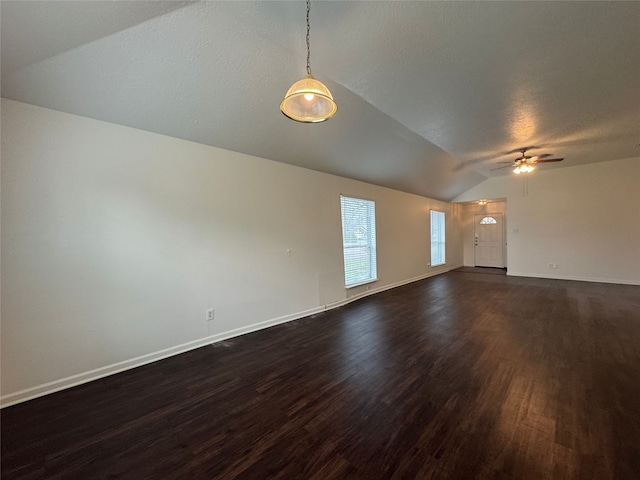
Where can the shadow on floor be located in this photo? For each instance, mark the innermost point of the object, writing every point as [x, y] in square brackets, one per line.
[486, 270]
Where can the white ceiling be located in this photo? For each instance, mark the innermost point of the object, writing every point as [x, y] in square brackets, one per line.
[431, 95]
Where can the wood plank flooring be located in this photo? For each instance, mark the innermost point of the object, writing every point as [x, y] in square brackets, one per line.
[459, 376]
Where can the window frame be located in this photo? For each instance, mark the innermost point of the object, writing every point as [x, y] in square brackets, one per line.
[440, 241]
[370, 245]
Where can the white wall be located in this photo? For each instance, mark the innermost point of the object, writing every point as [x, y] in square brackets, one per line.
[585, 219]
[116, 240]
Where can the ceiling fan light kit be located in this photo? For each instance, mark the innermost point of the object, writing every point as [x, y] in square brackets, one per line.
[523, 168]
[308, 100]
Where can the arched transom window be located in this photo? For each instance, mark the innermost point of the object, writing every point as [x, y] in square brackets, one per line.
[488, 221]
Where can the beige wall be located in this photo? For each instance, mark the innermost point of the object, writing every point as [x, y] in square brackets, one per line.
[115, 241]
[584, 219]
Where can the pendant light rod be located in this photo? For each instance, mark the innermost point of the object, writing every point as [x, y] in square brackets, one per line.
[308, 44]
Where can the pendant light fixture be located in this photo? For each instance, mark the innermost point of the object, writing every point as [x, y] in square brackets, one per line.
[308, 100]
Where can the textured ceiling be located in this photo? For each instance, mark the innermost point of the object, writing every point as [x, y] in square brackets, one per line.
[431, 94]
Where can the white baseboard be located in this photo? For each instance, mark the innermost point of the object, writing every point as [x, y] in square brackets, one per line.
[390, 286]
[79, 379]
[576, 278]
[85, 377]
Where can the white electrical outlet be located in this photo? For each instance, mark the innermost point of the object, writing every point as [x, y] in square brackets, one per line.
[553, 265]
[210, 314]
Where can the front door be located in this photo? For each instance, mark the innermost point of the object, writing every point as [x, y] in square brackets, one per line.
[489, 243]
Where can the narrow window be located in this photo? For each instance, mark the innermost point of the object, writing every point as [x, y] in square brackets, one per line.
[437, 238]
[358, 240]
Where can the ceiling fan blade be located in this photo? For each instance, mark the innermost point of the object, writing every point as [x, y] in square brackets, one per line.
[549, 160]
[506, 166]
[542, 155]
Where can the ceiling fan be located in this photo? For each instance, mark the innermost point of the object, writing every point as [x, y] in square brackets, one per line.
[526, 163]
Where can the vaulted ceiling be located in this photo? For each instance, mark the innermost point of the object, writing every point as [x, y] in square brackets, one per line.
[431, 95]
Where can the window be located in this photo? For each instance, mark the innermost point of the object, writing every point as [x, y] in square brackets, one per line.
[437, 238]
[488, 221]
[358, 240]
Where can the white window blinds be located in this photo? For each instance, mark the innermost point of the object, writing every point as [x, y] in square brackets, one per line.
[358, 240]
[437, 238]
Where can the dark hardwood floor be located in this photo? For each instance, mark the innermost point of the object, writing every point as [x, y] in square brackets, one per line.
[459, 376]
